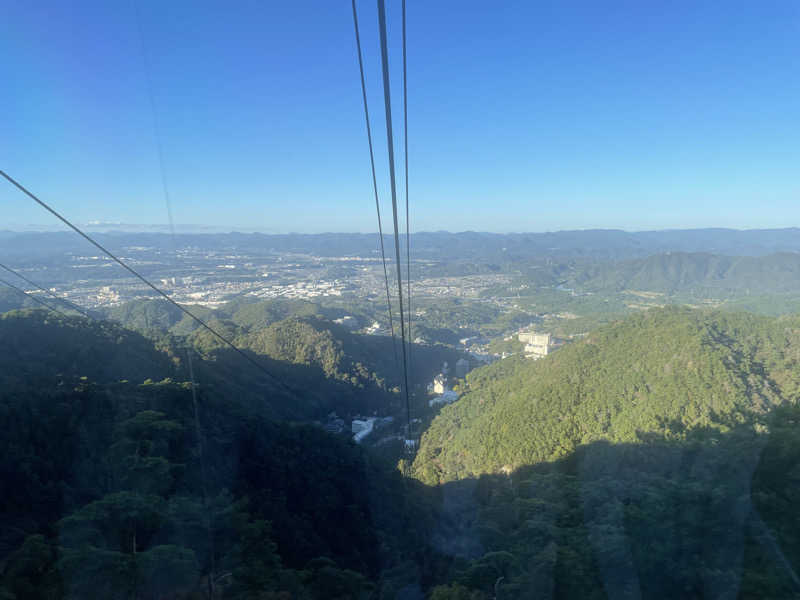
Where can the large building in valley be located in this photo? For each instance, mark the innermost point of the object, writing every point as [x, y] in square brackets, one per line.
[537, 345]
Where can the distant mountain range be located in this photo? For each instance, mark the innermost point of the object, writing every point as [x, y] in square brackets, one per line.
[440, 245]
[672, 272]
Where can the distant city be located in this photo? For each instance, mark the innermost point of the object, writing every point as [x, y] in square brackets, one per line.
[492, 295]
[210, 278]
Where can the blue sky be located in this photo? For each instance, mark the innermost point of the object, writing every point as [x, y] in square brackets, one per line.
[523, 116]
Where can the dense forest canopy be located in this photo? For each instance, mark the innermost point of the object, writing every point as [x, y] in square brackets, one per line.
[663, 371]
[122, 490]
[711, 273]
[328, 367]
[655, 455]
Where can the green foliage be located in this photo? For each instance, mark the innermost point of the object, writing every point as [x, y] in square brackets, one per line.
[447, 320]
[663, 372]
[711, 514]
[658, 455]
[332, 368]
[44, 348]
[146, 315]
[501, 346]
[712, 273]
[115, 497]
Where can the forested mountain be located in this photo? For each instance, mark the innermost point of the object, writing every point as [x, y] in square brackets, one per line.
[438, 245]
[662, 372]
[148, 315]
[335, 368]
[309, 366]
[656, 458]
[710, 273]
[11, 299]
[109, 492]
[39, 347]
[713, 515]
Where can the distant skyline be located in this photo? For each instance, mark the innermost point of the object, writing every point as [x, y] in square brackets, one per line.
[523, 116]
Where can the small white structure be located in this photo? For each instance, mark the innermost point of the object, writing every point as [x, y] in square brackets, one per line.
[439, 384]
[348, 321]
[361, 428]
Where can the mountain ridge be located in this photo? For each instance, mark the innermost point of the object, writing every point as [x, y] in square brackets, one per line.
[664, 371]
[605, 243]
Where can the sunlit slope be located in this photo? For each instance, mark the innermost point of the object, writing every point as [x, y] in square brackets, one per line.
[658, 373]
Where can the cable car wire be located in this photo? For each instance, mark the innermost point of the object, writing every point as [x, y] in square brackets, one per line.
[408, 222]
[46, 291]
[136, 274]
[387, 100]
[34, 298]
[374, 180]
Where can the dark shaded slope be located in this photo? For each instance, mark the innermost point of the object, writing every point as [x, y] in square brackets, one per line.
[38, 345]
[109, 495]
[713, 515]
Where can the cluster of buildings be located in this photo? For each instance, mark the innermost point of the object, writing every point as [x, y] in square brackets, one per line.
[440, 386]
[469, 286]
[303, 290]
[107, 295]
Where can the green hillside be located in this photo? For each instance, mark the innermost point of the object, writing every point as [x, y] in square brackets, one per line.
[111, 494]
[658, 458]
[147, 315]
[246, 314]
[38, 346]
[310, 366]
[332, 368]
[673, 272]
[713, 515]
[663, 372]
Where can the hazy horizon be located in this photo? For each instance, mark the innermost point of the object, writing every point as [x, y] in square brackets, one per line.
[186, 228]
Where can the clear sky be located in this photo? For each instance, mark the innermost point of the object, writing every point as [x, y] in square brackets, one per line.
[523, 116]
